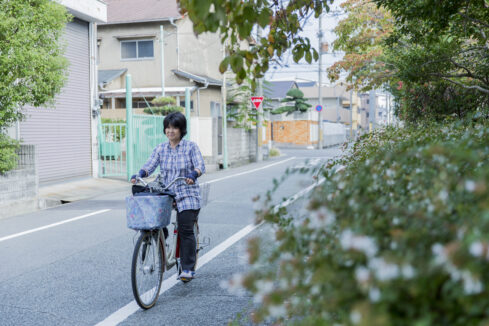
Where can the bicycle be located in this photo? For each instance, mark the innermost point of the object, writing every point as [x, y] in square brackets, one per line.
[153, 254]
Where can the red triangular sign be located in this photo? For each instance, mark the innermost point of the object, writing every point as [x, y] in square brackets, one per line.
[257, 101]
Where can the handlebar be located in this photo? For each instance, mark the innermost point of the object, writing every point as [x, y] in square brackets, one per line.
[173, 181]
[139, 179]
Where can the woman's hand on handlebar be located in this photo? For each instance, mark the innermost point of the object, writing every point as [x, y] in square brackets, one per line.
[141, 174]
[190, 179]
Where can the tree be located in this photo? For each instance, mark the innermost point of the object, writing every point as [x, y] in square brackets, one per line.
[235, 20]
[447, 41]
[238, 105]
[296, 96]
[32, 66]
[164, 105]
[361, 36]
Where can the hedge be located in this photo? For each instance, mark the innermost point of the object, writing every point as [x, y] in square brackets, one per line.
[399, 237]
[8, 153]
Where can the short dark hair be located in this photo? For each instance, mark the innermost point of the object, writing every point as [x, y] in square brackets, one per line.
[176, 120]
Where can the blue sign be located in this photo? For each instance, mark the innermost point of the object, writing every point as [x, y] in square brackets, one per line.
[319, 108]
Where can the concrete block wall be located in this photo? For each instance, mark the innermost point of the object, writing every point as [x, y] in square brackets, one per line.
[19, 187]
[241, 145]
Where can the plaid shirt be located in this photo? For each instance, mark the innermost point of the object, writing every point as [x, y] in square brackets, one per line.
[178, 162]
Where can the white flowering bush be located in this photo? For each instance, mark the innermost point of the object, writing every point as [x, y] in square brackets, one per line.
[398, 237]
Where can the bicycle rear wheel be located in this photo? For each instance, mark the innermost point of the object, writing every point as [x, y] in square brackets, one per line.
[147, 269]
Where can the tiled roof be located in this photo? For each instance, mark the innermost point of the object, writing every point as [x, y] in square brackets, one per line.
[131, 11]
[197, 78]
[106, 76]
[278, 89]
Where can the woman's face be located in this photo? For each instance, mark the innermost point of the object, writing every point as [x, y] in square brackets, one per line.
[172, 133]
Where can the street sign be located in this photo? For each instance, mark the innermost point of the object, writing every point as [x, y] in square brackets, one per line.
[256, 100]
[319, 108]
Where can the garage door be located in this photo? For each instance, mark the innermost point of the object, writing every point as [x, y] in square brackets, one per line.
[62, 134]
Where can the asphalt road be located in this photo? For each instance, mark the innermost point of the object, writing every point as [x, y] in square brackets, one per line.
[78, 272]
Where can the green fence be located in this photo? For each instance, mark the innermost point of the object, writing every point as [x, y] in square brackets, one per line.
[112, 140]
[147, 133]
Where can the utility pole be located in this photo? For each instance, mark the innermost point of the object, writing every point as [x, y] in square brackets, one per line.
[320, 80]
[259, 92]
[162, 50]
[129, 140]
[224, 115]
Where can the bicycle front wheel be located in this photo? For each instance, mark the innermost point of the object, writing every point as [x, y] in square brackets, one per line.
[147, 269]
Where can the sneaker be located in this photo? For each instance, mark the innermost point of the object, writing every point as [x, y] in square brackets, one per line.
[186, 276]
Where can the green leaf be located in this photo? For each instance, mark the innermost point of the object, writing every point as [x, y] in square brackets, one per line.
[236, 62]
[223, 66]
[263, 17]
[308, 57]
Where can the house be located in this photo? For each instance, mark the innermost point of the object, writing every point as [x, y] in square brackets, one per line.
[63, 136]
[301, 129]
[156, 45]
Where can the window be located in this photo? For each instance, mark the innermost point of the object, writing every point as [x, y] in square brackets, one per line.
[140, 49]
[182, 104]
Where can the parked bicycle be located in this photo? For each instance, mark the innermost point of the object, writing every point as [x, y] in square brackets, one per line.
[150, 213]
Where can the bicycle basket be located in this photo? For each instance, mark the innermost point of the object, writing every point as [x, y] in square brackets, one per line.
[148, 212]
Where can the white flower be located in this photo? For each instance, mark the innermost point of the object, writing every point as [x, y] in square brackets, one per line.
[470, 185]
[362, 274]
[357, 242]
[374, 294]
[321, 218]
[407, 271]
[277, 311]
[355, 317]
[443, 195]
[476, 249]
[471, 285]
[383, 270]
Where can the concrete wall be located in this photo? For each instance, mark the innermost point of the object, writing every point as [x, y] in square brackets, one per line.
[333, 133]
[241, 145]
[19, 187]
[199, 55]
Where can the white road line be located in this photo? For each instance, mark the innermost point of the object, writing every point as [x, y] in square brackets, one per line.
[301, 193]
[132, 307]
[52, 225]
[250, 171]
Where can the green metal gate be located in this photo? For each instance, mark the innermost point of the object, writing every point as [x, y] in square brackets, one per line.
[112, 142]
[147, 133]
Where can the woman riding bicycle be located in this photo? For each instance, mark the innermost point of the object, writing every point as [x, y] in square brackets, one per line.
[180, 158]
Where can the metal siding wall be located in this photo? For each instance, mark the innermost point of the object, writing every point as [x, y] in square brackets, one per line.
[62, 134]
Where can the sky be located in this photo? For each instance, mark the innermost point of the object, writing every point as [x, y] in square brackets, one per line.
[303, 70]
